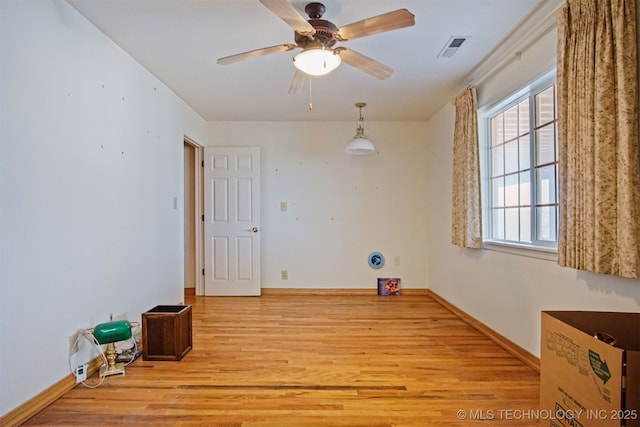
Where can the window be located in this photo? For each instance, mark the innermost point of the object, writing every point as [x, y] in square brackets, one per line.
[522, 163]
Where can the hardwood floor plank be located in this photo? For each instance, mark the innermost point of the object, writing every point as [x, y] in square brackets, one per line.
[315, 359]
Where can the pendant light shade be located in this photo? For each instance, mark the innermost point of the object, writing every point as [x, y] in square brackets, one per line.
[360, 144]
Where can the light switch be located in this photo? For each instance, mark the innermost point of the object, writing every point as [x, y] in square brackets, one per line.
[283, 206]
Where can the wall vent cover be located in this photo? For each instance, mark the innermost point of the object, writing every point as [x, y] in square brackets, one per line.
[452, 46]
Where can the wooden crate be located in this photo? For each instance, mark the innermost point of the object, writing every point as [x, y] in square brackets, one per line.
[166, 332]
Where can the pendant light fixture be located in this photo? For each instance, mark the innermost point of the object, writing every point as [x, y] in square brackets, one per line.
[360, 144]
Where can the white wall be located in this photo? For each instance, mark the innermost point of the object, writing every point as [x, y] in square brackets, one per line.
[340, 207]
[90, 162]
[505, 291]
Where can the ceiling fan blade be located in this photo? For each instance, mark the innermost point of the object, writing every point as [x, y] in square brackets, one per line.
[288, 14]
[297, 82]
[376, 24]
[255, 53]
[364, 63]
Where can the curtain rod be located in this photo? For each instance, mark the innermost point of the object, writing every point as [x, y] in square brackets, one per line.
[513, 53]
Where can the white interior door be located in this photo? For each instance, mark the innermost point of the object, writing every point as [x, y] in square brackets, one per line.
[232, 221]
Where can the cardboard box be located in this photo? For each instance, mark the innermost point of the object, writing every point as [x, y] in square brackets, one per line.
[586, 379]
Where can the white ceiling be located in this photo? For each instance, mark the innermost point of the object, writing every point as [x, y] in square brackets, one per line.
[179, 41]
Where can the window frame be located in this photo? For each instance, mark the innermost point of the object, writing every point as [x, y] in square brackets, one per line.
[537, 248]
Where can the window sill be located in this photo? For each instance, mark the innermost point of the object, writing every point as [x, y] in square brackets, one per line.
[548, 254]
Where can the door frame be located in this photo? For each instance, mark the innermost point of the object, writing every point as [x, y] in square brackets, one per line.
[198, 212]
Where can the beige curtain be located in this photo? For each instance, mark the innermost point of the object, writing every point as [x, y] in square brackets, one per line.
[466, 227]
[599, 163]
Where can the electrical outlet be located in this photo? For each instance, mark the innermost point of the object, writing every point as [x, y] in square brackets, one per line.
[284, 275]
[81, 373]
[73, 343]
[283, 206]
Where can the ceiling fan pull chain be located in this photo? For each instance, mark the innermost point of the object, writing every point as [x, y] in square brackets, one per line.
[310, 94]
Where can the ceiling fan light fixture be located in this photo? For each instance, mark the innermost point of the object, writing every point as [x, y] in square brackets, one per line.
[360, 144]
[317, 61]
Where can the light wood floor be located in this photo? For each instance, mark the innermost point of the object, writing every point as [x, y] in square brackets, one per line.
[315, 360]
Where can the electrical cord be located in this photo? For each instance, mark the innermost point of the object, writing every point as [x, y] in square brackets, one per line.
[135, 342]
[83, 334]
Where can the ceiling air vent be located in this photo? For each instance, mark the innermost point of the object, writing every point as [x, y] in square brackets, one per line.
[452, 46]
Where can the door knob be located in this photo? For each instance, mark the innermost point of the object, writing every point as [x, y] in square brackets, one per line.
[253, 230]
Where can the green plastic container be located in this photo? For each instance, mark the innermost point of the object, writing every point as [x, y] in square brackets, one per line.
[118, 330]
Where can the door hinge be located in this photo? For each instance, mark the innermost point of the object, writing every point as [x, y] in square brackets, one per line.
[203, 271]
[202, 164]
[202, 218]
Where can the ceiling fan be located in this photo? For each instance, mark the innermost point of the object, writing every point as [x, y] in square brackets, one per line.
[317, 37]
